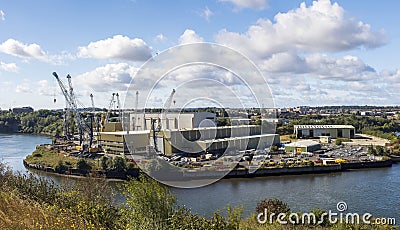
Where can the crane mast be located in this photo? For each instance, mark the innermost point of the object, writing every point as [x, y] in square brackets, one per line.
[72, 107]
[92, 101]
[166, 107]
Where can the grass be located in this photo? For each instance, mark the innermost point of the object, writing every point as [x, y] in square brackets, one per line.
[49, 158]
[17, 213]
[285, 138]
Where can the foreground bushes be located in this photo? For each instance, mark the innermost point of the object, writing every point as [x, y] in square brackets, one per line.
[31, 202]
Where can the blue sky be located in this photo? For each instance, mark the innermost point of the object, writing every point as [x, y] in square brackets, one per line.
[312, 53]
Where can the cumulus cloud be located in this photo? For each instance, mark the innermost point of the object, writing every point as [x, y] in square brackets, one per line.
[117, 47]
[19, 49]
[322, 26]
[253, 4]
[2, 15]
[9, 67]
[190, 36]
[107, 78]
[206, 13]
[348, 68]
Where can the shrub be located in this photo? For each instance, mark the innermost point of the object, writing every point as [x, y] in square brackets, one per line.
[60, 167]
[272, 206]
[82, 164]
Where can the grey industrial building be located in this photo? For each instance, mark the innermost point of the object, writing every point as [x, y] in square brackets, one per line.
[333, 131]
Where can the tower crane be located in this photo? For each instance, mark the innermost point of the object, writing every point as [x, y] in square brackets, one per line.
[136, 110]
[163, 114]
[92, 101]
[72, 107]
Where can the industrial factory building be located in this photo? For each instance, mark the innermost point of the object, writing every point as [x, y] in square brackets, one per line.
[115, 142]
[195, 140]
[302, 146]
[172, 121]
[316, 131]
[216, 139]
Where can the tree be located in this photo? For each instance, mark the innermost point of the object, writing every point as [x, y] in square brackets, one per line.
[104, 162]
[82, 164]
[371, 150]
[149, 204]
[338, 141]
[119, 164]
[380, 151]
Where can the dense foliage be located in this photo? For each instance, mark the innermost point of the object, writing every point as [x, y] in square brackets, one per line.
[41, 121]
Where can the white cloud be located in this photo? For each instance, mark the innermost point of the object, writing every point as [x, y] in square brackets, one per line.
[284, 62]
[24, 87]
[160, 38]
[110, 77]
[319, 27]
[253, 4]
[190, 36]
[9, 67]
[19, 49]
[206, 13]
[2, 15]
[117, 47]
[348, 68]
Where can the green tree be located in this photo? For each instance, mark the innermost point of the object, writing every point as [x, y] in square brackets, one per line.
[149, 204]
[82, 164]
[371, 150]
[119, 164]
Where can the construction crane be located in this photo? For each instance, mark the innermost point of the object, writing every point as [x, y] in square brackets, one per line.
[73, 108]
[67, 102]
[163, 115]
[134, 121]
[114, 106]
[91, 100]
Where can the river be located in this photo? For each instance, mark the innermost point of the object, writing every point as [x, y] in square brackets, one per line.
[374, 191]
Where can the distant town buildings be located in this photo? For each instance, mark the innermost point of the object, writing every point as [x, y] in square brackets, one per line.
[26, 109]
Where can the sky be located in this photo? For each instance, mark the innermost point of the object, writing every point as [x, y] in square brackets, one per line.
[312, 53]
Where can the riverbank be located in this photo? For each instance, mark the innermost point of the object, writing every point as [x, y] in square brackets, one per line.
[51, 161]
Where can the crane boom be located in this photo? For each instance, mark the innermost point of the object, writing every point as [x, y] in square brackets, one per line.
[71, 101]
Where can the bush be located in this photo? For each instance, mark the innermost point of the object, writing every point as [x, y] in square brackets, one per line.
[60, 167]
[82, 164]
[272, 206]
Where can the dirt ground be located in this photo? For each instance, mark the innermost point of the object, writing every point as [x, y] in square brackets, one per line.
[366, 140]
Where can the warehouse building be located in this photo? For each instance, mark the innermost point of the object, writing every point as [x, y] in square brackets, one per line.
[196, 140]
[216, 139]
[316, 131]
[115, 142]
[302, 146]
[172, 121]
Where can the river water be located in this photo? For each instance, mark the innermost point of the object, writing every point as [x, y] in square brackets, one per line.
[375, 191]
